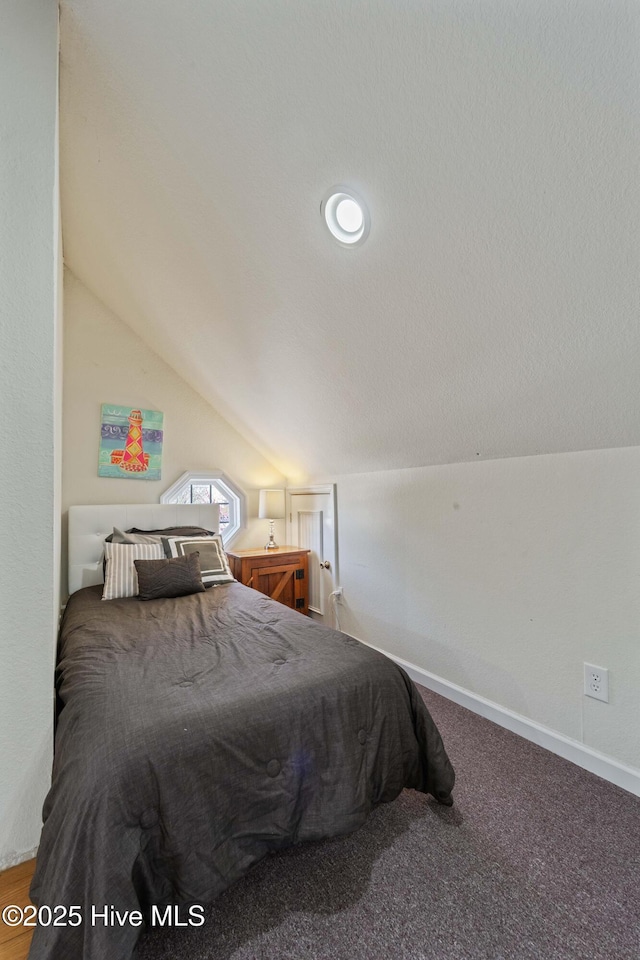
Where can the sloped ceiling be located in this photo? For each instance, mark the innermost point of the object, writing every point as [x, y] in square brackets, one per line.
[493, 310]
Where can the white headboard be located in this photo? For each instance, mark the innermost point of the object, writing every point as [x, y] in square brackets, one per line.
[88, 526]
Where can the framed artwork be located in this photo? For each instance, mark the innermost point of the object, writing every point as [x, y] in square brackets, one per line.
[130, 443]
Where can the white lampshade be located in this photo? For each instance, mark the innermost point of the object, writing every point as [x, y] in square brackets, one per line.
[271, 505]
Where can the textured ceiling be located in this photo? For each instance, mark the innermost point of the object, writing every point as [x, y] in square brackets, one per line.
[493, 310]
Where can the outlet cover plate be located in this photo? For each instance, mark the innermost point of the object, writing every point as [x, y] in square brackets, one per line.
[596, 682]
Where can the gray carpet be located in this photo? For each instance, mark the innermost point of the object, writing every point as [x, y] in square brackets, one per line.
[536, 859]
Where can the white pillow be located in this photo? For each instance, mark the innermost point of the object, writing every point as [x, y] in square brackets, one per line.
[120, 577]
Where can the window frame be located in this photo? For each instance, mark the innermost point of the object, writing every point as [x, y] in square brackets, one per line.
[237, 497]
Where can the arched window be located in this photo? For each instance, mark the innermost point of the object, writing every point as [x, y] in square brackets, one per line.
[211, 486]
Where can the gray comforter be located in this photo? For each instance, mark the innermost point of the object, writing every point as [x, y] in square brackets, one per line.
[196, 735]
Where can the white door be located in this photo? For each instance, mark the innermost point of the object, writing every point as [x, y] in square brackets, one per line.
[311, 523]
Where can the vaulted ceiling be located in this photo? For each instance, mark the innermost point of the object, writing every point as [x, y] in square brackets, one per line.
[492, 311]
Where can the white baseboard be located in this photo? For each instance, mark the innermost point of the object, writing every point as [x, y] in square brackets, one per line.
[622, 776]
[13, 859]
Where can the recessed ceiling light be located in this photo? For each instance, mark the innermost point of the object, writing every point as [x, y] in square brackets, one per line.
[346, 215]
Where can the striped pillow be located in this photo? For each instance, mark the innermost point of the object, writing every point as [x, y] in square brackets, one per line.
[120, 577]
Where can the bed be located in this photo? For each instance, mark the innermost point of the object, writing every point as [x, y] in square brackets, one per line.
[197, 734]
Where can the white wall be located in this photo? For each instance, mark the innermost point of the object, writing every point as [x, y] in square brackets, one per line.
[105, 362]
[494, 306]
[29, 390]
[504, 576]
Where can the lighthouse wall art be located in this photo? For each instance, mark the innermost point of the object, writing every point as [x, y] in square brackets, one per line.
[130, 443]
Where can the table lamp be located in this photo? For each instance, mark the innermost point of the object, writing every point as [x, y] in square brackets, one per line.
[271, 508]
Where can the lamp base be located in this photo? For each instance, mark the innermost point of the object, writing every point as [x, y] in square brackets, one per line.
[271, 545]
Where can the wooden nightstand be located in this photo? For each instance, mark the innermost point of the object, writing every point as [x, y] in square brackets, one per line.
[282, 574]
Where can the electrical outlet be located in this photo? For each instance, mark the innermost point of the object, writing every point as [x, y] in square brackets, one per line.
[596, 682]
[337, 593]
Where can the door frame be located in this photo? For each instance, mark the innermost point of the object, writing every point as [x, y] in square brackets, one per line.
[325, 488]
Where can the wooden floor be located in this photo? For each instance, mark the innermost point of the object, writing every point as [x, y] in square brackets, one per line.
[14, 889]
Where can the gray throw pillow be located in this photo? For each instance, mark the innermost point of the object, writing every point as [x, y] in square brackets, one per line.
[119, 537]
[177, 577]
[174, 532]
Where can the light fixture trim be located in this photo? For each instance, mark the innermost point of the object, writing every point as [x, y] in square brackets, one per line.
[346, 216]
